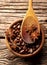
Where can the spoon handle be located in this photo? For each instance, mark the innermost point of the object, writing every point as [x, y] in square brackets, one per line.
[30, 5]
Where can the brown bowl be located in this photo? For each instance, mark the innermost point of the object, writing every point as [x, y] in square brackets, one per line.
[26, 55]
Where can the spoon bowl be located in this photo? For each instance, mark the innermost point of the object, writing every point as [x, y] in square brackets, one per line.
[29, 20]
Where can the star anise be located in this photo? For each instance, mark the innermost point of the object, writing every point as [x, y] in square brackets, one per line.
[33, 32]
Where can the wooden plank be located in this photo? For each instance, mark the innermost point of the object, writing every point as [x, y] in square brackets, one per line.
[22, 7]
[9, 19]
[22, 1]
[3, 26]
[22, 4]
[20, 15]
[13, 19]
[5, 4]
[7, 12]
[39, 11]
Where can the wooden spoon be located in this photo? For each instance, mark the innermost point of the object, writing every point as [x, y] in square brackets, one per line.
[28, 22]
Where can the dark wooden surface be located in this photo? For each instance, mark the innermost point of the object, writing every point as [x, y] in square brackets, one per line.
[12, 10]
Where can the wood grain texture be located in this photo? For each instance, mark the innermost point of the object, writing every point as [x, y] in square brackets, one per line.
[12, 10]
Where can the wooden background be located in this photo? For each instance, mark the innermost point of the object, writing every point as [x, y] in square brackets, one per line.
[10, 11]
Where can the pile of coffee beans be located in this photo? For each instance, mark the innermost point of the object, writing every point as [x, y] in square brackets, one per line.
[17, 43]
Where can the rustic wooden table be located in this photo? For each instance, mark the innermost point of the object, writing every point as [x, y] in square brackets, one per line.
[10, 11]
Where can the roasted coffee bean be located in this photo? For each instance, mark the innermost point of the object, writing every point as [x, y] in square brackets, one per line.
[13, 31]
[12, 36]
[14, 26]
[18, 26]
[26, 50]
[24, 47]
[17, 31]
[18, 44]
[22, 43]
[16, 41]
[34, 49]
[21, 40]
[17, 38]
[37, 46]
[21, 52]
[13, 46]
[30, 50]
[11, 40]
[19, 48]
